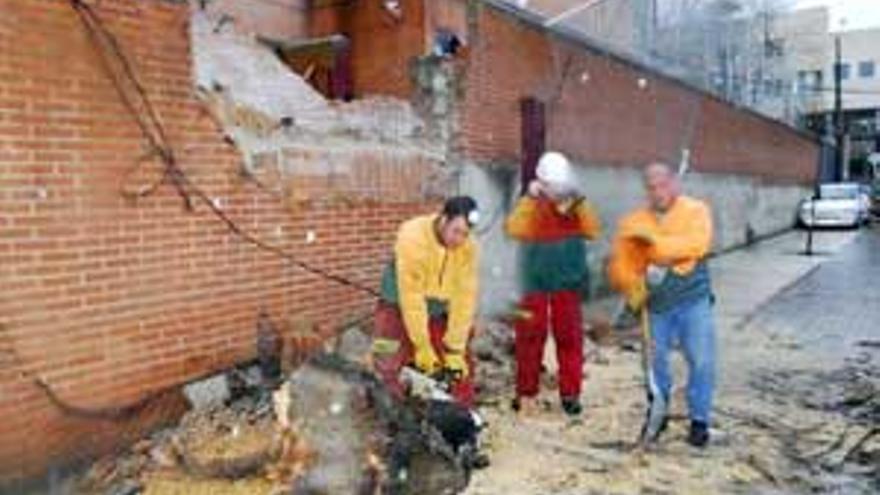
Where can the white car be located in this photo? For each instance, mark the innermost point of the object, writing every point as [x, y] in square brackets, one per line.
[838, 205]
[865, 193]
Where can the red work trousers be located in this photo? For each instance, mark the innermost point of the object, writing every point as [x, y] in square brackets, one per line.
[388, 360]
[560, 310]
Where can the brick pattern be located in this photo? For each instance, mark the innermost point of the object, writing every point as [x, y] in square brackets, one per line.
[392, 175]
[382, 46]
[599, 112]
[108, 298]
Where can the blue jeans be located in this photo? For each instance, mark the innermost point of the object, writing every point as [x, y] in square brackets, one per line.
[691, 326]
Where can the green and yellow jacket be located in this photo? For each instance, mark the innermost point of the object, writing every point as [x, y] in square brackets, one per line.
[427, 279]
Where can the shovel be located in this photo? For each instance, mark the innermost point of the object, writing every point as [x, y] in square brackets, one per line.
[656, 415]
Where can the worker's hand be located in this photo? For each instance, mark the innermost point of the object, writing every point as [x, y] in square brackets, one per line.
[535, 189]
[568, 205]
[636, 297]
[457, 364]
[426, 360]
[521, 314]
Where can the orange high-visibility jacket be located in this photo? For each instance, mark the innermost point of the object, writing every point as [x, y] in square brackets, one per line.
[682, 237]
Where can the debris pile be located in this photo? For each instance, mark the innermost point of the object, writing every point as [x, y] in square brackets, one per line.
[839, 435]
[493, 349]
[330, 427]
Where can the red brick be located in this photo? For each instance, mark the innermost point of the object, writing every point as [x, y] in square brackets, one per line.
[607, 120]
[114, 298]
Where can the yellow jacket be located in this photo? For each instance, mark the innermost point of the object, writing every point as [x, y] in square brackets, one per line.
[681, 238]
[428, 270]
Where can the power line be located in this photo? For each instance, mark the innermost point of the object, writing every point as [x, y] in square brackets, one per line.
[154, 131]
[151, 127]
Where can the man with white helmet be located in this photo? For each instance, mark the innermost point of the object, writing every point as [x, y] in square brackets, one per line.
[553, 222]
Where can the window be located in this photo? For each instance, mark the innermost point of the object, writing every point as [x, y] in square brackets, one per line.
[839, 191]
[866, 69]
[803, 81]
[774, 48]
[844, 70]
[778, 87]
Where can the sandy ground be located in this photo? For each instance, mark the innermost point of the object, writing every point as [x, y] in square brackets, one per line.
[762, 442]
[789, 414]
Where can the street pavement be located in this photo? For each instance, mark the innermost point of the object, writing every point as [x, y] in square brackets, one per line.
[836, 307]
[766, 294]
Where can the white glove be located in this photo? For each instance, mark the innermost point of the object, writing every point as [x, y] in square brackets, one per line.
[655, 275]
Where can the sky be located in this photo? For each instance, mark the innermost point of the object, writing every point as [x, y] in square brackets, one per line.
[858, 14]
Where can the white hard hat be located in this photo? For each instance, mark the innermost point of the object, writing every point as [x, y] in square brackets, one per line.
[553, 168]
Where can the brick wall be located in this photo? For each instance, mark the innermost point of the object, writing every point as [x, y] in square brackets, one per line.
[598, 111]
[108, 298]
[382, 46]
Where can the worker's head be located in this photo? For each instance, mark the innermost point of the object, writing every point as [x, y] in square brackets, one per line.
[454, 224]
[555, 174]
[661, 185]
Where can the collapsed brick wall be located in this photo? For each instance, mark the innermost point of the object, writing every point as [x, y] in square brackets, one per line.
[605, 111]
[109, 298]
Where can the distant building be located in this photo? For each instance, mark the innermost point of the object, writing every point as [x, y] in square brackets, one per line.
[814, 58]
[620, 25]
[730, 48]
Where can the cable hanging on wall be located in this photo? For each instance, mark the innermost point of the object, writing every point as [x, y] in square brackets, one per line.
[122, 75]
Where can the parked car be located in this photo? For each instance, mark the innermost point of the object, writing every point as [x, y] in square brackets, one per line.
[837, 205]
[874, 190]
[866, 202]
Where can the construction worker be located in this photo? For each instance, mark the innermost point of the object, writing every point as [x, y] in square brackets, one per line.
[552, 221]
[429, 291]
[658, 263]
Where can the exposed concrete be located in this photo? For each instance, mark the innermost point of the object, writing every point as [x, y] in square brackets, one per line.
[740, 204]
[296, 142]
[278, 18]
[251, 75]
[495, 191]
[252, 91]
[207, 393]
[437, 90]
[744, 209]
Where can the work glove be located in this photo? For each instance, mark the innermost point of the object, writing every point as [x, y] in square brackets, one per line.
[636, 297]
[457, 364]
[426, 360]
[520, 314]
[655, 275]
[568, 205]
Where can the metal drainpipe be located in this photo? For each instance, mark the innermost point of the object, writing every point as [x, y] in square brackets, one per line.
[534, 131]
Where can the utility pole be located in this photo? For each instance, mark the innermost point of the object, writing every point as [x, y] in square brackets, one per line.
[838, 111]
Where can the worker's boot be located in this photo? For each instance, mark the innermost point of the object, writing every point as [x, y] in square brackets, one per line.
[699, 434]
[526, 406]
[572, 406]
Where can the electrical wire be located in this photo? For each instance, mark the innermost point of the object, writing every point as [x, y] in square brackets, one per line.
[153, 130]
[155, 133]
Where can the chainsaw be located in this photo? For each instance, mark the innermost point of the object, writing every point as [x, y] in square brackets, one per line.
[452, 428]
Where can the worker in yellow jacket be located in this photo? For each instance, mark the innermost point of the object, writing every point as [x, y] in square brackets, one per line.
[658, 262]
[426, 313]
